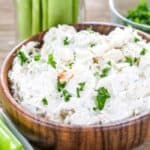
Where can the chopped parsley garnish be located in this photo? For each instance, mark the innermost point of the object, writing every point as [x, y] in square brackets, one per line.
[80, 88]
[137, 61]
[92, 44]
[132, 61]
[60, 85]
[70, 64]
[37, 57]
[136, 39]
[143, 51]
[51, 61]
[22, 57]
[105, 72]
[109, 63]
[129, 60]
[45, 101]
[102, 96]
[94, 108]
[66, 41]
[66, 95]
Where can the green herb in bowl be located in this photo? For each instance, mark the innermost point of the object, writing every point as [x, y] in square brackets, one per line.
[140, 14]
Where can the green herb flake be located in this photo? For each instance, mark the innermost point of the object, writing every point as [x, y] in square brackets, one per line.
[37, 57]
[60, 85]
[132, 61]
[137, 61]
[70, 65]
[22, 57]
[105, 72]
[51, 61]
[102, 96]
[66, 41]
[136, 39]
[143, 51]
[66, 95]
[45, 101]
[129, 60]
[92, 45]
[80, 88]
[109, 63]
[61, 88]
[94, 108]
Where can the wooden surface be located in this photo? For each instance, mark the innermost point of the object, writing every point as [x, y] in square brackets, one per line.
[97, 10]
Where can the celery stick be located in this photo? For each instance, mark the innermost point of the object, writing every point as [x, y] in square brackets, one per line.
[59, 12]
[24, 9]
[44, 14]
[75, 9]
[14, 131]
[10, 139]
[36, 16]
[4, 140]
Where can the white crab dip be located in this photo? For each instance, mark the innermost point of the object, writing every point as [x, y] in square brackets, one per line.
[83, 77]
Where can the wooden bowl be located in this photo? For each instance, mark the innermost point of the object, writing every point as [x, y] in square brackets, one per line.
[122, 135]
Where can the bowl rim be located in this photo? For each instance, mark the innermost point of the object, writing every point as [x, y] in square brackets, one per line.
[114, 10]
[34, 118]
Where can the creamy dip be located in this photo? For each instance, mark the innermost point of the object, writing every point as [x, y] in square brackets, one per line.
[83, 77]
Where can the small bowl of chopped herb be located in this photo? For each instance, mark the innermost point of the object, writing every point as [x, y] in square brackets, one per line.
[135, 13]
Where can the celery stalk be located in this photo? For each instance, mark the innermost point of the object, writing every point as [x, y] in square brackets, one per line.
[36, 16]
[75, 9]
[4, 140]
[7, 139]
[59, 12]
[44, 14]
[24, 9]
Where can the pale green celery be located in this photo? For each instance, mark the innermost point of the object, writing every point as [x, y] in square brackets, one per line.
[24, 15]
[4, 140]
[7, 140]
[36, 16]
[75, 9]
[44, 14]
[59, 12]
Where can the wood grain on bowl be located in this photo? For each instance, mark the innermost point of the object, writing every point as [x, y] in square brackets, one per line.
[122, 135]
